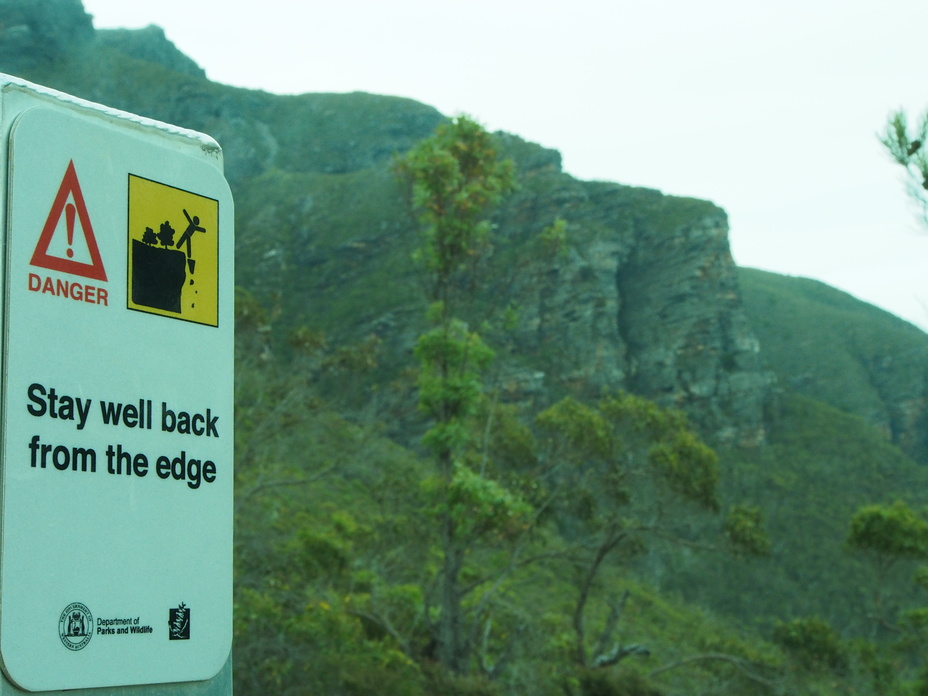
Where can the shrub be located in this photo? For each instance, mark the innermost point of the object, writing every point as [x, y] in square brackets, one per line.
[812, 643]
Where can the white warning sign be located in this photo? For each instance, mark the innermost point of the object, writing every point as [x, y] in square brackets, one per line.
[117, 430]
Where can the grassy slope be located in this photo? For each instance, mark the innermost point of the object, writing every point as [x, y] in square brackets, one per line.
[827, 345]
[331, 515]
[820, 466]
[331, 525]
[839, 361]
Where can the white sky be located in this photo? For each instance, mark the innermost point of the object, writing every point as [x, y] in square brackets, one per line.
[769, 108]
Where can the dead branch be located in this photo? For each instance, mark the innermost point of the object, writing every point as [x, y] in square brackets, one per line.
[743, 666]
[615, 613]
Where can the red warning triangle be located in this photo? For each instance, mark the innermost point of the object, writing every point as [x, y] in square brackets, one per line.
[70, 187]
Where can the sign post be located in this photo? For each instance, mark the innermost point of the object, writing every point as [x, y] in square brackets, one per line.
[116, 417]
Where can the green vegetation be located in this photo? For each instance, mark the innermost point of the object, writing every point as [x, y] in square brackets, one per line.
[338, 547]
[561, 581]
[825, 344]
[569, 574]
[335, 545]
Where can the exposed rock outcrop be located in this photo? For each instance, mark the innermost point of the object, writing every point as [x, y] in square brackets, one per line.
[646, 299]
[152, 45]
[33, 33]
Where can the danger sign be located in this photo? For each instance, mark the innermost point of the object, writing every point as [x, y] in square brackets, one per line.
[69, 207]
[116, 421]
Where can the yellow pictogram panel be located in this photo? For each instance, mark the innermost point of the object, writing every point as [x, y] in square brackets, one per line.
[173, 255]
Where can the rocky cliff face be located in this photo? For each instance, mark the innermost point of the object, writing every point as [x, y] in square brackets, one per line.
[647, 299]
[689, 341]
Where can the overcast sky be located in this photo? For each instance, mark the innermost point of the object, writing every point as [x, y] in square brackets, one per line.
[769, 109]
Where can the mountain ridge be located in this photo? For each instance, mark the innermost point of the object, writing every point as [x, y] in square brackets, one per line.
[626, 237]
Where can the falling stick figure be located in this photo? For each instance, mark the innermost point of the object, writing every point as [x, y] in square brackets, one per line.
[193, 225]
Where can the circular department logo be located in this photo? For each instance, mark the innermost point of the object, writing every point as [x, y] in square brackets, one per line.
[75, 626]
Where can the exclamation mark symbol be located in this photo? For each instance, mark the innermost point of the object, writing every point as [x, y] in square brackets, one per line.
[69, 212]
